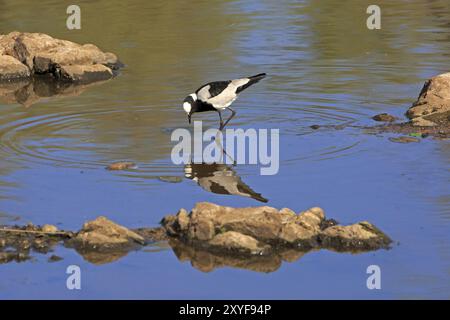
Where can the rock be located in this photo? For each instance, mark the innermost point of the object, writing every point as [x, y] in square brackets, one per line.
[201, 228]
[121, 165]
[355, 237]
[11, 69]
[384, 117]
[152, 234]
[434, 98]
[259, 222]
[297, 235]
[49, 228]
[85, 73]
[255, 230]
[65, 60]
[103, 234]
[326, 223]
[421, 122]
[183, 220]
[315, 126]
[311, 219]
[237, 242]
[404, 139]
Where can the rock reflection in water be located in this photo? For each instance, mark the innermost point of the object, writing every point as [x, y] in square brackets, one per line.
[30, 91]
[207, 261]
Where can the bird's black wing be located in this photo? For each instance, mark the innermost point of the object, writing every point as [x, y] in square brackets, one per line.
[211, 89]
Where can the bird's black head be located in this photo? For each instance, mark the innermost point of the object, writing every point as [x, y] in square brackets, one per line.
[190, 105]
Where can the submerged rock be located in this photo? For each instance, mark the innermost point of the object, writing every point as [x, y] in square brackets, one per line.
[123, 165]
[384, 117]
[264, 230]
[404, 139]
[23, 54]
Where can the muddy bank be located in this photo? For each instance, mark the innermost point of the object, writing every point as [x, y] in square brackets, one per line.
[210, 236]
[23, 55]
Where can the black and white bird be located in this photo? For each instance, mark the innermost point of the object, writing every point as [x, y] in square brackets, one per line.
[218, 96]
[220, 179]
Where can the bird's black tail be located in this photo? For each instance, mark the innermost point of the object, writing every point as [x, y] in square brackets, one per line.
[253, 79]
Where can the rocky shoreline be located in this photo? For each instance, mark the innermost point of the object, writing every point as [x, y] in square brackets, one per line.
[255, 237]
[429, 115]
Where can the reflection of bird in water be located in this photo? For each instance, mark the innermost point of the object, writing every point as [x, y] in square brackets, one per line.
[220, 179]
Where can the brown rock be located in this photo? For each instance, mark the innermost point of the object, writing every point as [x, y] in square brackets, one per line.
[255, 229]
[85, 73]
[311, 219]
[183, 220]
[359, 236]
[294, 233]
[433, 99]
[258, 222]
[201, 228]
[11, 68]
[102, 233]
[64, 59]
[421, 122]
[237, 242]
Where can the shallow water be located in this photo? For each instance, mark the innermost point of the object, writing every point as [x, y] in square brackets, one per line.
[325, 68]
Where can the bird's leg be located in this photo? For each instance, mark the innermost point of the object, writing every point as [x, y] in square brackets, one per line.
[233, 113]
[221, 121]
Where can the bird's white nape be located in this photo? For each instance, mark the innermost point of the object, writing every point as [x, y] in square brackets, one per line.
[187, 107]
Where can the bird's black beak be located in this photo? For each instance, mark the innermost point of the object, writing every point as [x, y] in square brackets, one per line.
[189, 118]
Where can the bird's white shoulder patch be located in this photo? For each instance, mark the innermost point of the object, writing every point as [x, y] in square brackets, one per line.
[204, 94]
[194, 96]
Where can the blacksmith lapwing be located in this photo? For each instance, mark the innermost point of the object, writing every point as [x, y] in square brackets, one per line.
[218, 96]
